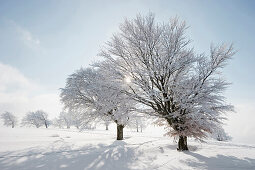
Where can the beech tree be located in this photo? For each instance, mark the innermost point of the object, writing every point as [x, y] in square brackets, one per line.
[37, 118]
[94, 95]
[9, 119]
[174, 83]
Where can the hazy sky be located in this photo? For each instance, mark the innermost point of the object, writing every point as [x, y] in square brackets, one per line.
[42, 42]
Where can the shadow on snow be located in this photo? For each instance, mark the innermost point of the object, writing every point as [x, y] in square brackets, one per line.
[117, 156]
[220, 162]
[114, 156]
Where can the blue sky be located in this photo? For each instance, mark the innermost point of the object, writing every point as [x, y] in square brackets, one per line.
[44, 41]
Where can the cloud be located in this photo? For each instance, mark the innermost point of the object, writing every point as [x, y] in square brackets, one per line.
[25, 35]
[12, 79]
[18, 94]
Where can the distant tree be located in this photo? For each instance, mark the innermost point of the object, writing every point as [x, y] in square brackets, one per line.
[37, 118]
[167, 77]
[31, 119]
[49, 123]
[85, 119]
[9, 119]
[107, 123]
[138, 122]
[57, 123]
[220, 134]
[76, 121]
[66, 119]
[43, 116]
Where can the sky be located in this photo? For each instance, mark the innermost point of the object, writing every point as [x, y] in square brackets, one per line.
[44, 41]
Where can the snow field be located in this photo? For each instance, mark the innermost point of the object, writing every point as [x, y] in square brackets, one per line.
[50, 149]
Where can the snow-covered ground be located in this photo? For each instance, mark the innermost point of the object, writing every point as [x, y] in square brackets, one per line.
[30, 149]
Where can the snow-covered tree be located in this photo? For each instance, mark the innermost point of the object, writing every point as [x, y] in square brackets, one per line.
[105, 120]
[43, 116]
[107, 123]
[168, 77]
[9, 119]
[57, 123]
[76, 120]
[220, 134]
[37, 118]
[139, 122]
[31, 119]
[95, 95]
[66, 119]
[87, 118]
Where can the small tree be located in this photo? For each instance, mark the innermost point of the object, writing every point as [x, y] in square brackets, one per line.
[43, 116]
[57, 123]
[220, 135]
[37, 118]
[76, 121]
[107, 123]
[66, 119]
[138, 122]
[9, 119]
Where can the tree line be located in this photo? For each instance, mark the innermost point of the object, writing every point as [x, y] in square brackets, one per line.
[40, 118]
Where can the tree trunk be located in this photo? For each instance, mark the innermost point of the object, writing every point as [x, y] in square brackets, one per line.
[12, 125]
[182, 143]
[46, 125]
[137, 129]
[120, 132]
[141, 129]
[106, 127]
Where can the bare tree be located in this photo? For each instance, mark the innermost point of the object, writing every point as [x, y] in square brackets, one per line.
[166, 75]
[9, 119]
